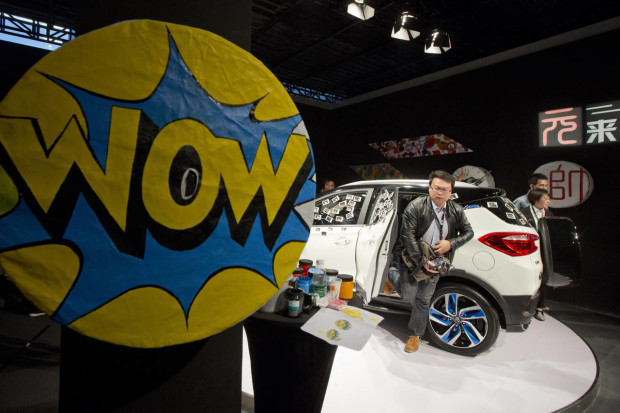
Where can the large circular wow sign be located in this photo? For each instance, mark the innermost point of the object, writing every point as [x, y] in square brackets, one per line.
[156, 184]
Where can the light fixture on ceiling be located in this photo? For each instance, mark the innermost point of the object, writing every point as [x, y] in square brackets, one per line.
[360, 10]
[438, 42]
[406, 27]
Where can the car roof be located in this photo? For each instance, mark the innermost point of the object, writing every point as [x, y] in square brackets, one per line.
[403, 182]
[466, 192]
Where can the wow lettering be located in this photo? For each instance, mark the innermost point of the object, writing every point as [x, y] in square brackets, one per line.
[142, 181]
[177, 177]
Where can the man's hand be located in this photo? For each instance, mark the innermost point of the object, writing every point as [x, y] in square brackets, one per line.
[429, 267]
[441, 247]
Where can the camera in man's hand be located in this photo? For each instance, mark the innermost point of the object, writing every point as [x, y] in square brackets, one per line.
[441, 265]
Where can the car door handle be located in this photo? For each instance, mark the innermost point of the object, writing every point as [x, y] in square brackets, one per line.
[343, 242]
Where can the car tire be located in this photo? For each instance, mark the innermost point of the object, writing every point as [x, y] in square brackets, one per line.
[461, 320]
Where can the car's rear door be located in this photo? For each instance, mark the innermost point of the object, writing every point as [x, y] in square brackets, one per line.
[373, 243]
[338, 218]
[561, 251]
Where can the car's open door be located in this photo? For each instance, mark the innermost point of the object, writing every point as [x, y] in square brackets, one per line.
[560, 251]
[374, 244]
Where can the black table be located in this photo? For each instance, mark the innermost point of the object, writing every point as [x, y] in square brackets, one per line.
[290, 368]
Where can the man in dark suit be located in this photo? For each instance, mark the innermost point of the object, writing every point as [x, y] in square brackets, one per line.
[539, 200]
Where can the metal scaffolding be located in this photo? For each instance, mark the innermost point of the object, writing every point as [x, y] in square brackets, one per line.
[312, 94]
[34, 29]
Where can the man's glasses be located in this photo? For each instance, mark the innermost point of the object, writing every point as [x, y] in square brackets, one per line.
[441, 190]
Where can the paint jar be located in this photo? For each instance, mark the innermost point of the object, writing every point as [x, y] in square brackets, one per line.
[297, 272]
[346, 287]
[305, 264]
[333, 288]
[330, 272]
[294, 302]
[304, 283]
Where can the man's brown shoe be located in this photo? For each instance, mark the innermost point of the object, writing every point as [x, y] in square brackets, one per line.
[412, 344]
[389, 287]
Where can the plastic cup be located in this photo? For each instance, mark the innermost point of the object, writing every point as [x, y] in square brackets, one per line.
[333, 287]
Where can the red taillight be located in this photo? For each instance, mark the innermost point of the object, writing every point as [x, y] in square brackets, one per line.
[514, 244]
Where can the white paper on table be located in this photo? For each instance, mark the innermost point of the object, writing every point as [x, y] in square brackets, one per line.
[351, 327]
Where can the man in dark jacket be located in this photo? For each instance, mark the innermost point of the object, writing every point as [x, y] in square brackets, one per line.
[441, 223]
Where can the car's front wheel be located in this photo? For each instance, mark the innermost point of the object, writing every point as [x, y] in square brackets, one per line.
[461, 320]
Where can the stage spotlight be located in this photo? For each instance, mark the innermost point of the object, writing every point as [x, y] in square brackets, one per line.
[406, 27]
[438, 42]
[360, 10]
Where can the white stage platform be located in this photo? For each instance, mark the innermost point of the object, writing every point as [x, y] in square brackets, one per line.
[543, 369]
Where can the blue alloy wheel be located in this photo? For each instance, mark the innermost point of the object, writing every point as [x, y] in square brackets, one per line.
[461, 320]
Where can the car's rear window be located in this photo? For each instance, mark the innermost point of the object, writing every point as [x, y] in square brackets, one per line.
[502, 207]
[339, 209]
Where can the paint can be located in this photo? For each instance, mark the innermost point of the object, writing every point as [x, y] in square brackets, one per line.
[294, 302]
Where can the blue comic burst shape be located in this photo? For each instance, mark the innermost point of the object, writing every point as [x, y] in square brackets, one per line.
[115, 261]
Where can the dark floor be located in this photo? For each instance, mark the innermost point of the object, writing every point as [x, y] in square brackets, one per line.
[602, 333]
[30, 353]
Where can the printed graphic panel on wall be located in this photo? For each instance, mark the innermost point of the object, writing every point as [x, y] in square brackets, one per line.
[377, 171]
[569, 184]
[156, 184]
[474, 175]
[438, 144]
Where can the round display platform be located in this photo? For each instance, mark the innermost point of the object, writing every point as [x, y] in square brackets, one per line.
[546, 368]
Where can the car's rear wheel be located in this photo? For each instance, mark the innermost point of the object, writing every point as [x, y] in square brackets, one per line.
[461, 320]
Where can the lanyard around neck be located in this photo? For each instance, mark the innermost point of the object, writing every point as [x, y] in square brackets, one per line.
[440, 223]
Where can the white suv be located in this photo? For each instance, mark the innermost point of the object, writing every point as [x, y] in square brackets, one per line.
[495, 278]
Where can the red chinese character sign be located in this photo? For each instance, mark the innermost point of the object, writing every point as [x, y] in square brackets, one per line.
[569, 184]
[560, 127]
[156, 184]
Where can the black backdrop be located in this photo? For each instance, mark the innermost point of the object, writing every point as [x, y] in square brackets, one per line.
[494, 111]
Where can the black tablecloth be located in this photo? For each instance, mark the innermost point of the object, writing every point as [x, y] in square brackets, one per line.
[290, 368]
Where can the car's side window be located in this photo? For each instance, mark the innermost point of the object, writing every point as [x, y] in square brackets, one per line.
[343, 208]
[404, 199]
